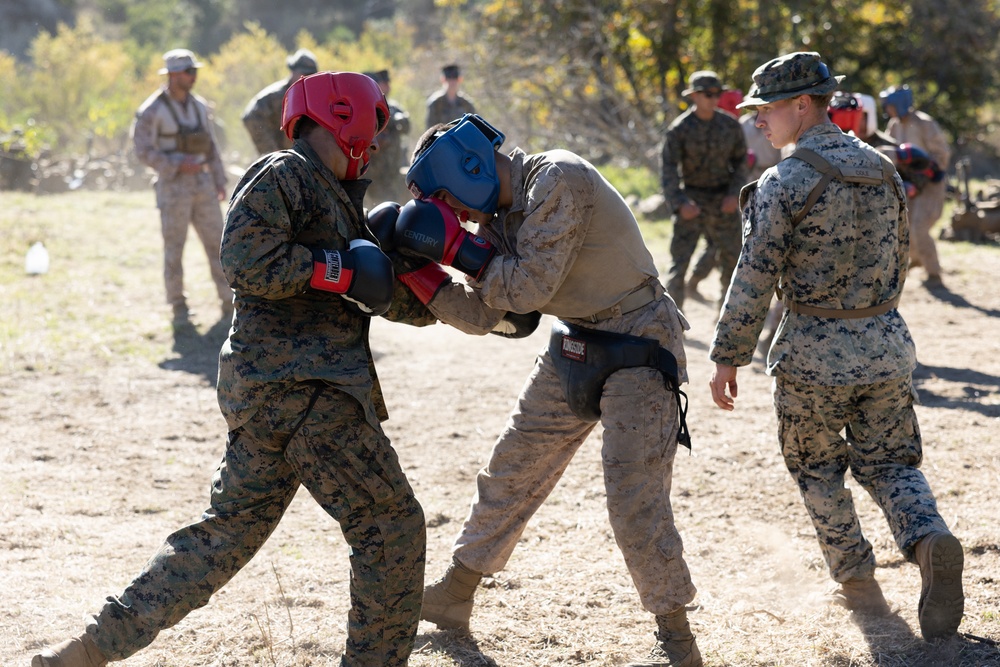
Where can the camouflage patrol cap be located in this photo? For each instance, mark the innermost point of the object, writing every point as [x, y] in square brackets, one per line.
[703, 80]
[800, 73]
[302, 60]
[178, 60]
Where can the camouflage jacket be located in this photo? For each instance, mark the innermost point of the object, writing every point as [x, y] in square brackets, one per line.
[442, 110]
[154, 130]
[703, 155]
[849, 252]
[262, 118]
[285, 332]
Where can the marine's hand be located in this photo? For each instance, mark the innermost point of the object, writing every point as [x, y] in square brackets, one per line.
[724, 377]
[730, 204]
[689, 211]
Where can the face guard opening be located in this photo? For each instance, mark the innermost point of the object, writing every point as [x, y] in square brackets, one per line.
[349, 105]
[462, 160]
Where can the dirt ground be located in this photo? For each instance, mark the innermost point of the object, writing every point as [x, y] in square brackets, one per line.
[110, 432]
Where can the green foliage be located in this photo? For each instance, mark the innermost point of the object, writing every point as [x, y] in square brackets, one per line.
[632, 181]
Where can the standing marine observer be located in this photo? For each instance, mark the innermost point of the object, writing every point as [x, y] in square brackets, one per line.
[704, 165]
[298, 389]
[173, 134]
[557, 238]
[828, 227]
[262, 116]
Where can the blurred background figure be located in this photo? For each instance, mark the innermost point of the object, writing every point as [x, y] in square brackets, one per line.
[262, 117]
[385, 169]
[447, 103]
[907, 125]
[173, 135]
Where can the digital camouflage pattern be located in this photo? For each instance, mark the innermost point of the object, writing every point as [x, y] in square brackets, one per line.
[183, 199]
[702, 163]
[882, 449]
[571, 248]
[297, 386]
[834, 375]
[284, 333]
[835, 258]
[350, 469]
[262, 117]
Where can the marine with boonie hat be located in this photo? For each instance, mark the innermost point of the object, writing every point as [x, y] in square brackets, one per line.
[173, 135]
[827, 228]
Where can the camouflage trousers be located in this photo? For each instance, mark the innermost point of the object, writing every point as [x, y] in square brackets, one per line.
[190, 200]
[925, 210]
[542, 435]
[881, 447]
[721, 230]
[318, 439]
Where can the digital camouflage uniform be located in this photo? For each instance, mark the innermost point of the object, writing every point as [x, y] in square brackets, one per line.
[388, 183]
[921, 130]
[262, 117]
[183, 199]
[440, 109]
[703, 162]
[833, 375]
[298, 389]
[572, 248]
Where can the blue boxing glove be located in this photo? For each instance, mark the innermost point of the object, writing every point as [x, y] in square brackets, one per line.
[362, 274]
[429, 228]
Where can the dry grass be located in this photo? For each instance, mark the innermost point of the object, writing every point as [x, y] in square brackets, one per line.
[110, 433]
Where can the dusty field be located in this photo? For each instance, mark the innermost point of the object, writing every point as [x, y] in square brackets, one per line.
[109, 433]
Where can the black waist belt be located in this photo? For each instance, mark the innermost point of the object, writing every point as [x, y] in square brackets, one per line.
[585, 358]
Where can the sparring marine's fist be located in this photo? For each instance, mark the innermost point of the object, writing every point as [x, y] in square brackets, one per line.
[429, 228]
[362, 274]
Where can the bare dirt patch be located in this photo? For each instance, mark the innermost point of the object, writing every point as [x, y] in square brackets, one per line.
[109, 433]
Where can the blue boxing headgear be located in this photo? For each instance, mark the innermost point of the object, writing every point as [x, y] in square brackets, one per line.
[900, 97]
[462, 160]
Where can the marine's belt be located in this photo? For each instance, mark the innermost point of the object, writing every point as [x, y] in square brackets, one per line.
[839, 314]
[634, 300]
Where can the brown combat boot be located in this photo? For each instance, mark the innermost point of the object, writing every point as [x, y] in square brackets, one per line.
[942, 601]
[448, 601]
[862, 596]
[675, 645]
[78, 652]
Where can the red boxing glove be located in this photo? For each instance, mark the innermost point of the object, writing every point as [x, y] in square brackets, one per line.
[429, 228]
[426, 281]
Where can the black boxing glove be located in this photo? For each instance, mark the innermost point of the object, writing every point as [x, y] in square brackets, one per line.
[362, 274]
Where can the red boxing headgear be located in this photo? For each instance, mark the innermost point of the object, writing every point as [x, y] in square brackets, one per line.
[728, 100]
[348, 104]
[845, 112]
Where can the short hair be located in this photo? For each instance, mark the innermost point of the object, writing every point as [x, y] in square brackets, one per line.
[823, 101]
[429, 137]
[303, 126]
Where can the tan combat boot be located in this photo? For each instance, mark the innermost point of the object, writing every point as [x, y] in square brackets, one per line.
[78, 652]
[942, 601]
[675, 645]
[862, 596]
[448, 601]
